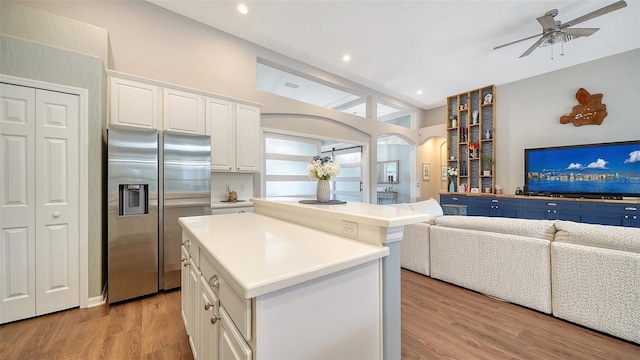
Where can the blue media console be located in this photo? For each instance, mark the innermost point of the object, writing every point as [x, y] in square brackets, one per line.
[605, 212]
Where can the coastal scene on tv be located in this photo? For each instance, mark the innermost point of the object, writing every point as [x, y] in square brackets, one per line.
[594, 169]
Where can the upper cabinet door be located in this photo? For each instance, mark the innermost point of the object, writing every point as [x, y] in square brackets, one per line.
[220, 126]
[133, 103]
[247, 138]
[183, 111]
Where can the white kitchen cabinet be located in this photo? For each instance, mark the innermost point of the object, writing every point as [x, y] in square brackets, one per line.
[269, 318]
[182, 111]
[247, 138]
[208, 321]
[39, 202]
[235, 135]
[184, 291]
[231, 345]
[133, 103]
[212, 332]
[194, 301]
[231, 210]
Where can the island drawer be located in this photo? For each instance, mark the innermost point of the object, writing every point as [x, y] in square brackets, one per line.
[238, 308]
[191, 247]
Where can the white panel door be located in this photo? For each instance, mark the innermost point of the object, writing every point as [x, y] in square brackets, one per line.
[17, 203]
[182, 111]
[57, 183]
[220, 126]
[39, 200]
[247, 138]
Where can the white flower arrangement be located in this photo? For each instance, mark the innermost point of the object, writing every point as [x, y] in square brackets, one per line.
[452, 172]
[323, 168]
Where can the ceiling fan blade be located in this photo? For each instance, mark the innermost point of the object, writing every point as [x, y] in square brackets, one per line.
[533, 47]
[517, 41]
[577, 32]
[547, 22]
[607, 9]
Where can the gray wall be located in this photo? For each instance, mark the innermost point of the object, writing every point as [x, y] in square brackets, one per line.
[528, 113]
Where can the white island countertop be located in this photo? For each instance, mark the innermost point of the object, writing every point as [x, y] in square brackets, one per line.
[261, 254]
[364, 213]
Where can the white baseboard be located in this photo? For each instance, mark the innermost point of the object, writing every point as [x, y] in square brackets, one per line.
[98, 300]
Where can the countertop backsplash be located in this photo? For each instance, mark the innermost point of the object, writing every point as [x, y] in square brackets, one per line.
[242, 184]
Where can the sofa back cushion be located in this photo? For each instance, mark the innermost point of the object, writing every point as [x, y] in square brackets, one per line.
[602, 236]
[539, 229]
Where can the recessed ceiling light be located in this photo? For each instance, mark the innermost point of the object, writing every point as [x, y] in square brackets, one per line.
[243, 9]
[419, 92]
[346, 58]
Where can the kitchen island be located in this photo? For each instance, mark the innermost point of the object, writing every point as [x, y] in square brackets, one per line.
[257, 285]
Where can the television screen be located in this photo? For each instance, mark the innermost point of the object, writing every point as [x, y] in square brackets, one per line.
[607, 170]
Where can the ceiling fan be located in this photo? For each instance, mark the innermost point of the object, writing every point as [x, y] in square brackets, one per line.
[553, 31]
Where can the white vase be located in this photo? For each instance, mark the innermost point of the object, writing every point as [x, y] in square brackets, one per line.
[323, 194]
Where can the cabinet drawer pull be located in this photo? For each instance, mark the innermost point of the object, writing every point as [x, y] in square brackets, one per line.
[214, 319]
[630, 208]
[207, 306]
[454, 199]
[551, 204]
[214, 282]
[494, 201]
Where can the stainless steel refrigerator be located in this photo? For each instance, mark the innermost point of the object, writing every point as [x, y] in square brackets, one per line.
[153, 178]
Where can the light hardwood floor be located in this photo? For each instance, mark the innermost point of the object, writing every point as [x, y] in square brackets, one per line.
[443, 321]
[149, 328]
[439, 321]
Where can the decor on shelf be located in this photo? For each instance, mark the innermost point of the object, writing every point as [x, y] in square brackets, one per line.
[454, 120]
[589, 111]
[443, 171]
[473, 150]
[426, 169]
[486, 162]
[452, 174]
[323, 168]
[472, 138]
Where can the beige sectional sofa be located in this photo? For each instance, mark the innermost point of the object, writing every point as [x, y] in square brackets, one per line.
[587, 274]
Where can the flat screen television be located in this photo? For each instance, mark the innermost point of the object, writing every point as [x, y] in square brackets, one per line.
[606, 170]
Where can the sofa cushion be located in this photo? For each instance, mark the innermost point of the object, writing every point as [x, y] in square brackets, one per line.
[602, 236]
[414, 248]
[597, 288]
[540, 229]
[510, 267]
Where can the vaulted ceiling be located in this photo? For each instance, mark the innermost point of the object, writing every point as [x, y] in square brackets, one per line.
[438, 47]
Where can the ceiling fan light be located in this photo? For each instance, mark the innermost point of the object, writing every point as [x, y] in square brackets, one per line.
[556, 38]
